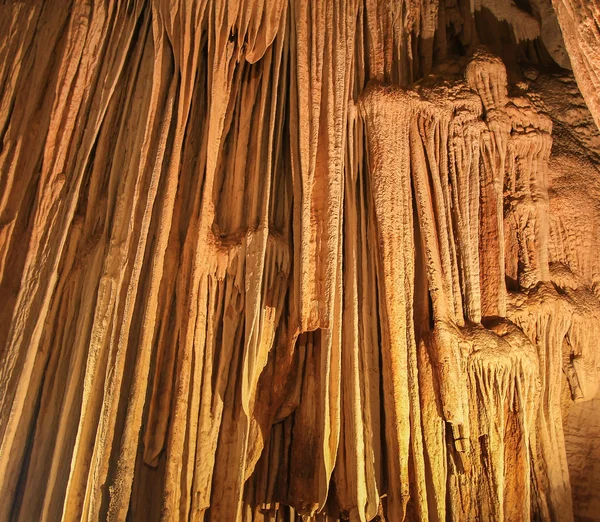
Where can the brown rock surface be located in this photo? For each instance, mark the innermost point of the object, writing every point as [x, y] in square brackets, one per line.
[280, 260]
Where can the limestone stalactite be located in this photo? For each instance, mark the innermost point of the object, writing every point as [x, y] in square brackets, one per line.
[277, 260]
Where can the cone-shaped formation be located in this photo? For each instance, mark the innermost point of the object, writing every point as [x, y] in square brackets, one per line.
[277, 260]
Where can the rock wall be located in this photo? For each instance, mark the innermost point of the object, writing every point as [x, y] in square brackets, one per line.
[276, 260]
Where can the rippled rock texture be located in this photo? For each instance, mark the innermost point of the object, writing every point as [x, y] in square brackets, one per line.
[288, 260]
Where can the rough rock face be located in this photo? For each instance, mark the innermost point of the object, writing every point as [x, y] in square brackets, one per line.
[277, 260]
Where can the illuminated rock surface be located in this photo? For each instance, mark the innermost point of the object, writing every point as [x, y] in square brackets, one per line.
[277, 260]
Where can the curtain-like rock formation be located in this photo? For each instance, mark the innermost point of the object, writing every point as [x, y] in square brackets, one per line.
[272, 260]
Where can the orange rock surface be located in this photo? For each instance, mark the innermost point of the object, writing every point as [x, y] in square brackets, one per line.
[287, 260]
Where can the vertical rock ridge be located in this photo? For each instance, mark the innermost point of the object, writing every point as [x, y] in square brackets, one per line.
[273, 260]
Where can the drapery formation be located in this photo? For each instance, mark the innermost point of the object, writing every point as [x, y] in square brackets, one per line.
[252, 269]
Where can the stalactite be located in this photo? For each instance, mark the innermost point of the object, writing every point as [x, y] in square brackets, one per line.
[275, 260]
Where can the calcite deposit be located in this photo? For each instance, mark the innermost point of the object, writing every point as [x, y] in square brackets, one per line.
[289, 260]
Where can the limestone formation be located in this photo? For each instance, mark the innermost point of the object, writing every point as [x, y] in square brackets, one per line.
[287, 260]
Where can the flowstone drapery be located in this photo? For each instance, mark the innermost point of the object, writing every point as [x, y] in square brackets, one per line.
[272, 260]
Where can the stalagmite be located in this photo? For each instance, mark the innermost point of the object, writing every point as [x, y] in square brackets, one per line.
[279, 260]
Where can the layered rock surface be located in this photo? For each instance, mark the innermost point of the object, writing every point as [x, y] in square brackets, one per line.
[272, 260]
